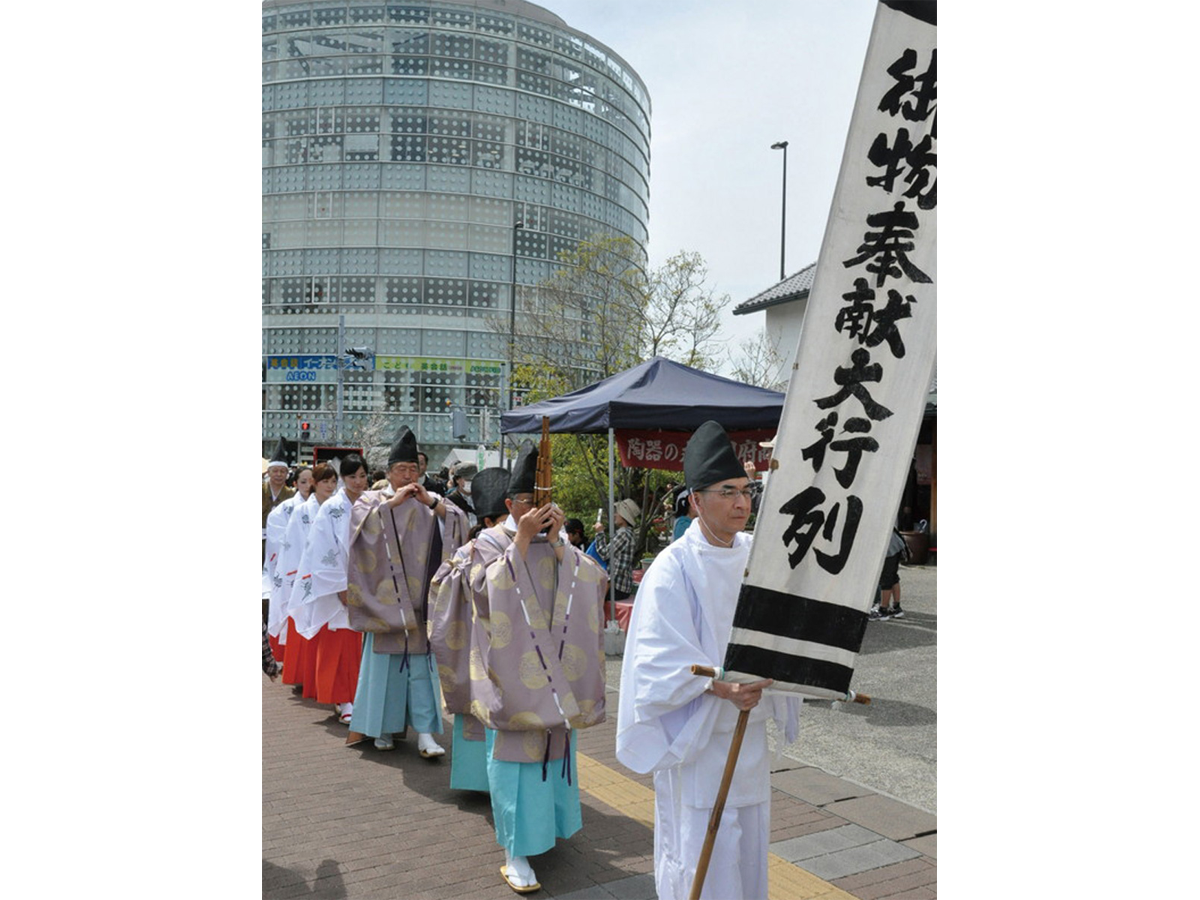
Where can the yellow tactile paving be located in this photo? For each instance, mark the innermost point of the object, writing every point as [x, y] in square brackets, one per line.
[787, 881]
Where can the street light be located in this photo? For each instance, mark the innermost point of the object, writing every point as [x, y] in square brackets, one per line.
[512, 328]
[782, 145]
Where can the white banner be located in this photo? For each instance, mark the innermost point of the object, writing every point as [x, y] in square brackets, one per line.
[856, 399]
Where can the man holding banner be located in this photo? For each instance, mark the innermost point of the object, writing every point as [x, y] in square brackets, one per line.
[791, 614]
[679, 726]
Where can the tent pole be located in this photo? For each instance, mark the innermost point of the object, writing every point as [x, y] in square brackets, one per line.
[612, 590]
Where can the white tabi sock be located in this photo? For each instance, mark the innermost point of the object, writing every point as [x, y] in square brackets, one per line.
[519, 870]
[427, 744]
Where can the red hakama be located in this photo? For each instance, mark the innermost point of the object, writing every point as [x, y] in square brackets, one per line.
[337, 660]
[295, 655]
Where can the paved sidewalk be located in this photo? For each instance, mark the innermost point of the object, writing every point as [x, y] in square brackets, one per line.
[372, 824]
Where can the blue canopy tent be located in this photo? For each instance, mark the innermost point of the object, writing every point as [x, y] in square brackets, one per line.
[657, 394]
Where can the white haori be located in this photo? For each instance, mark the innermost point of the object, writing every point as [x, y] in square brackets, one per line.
[664, 717]
[292, 550]
[668, 725]
[323, 566]
[277, 523]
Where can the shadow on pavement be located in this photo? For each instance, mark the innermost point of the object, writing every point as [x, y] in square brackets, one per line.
[279, 882]
[914, 630]
[600, 852]
[882, 713]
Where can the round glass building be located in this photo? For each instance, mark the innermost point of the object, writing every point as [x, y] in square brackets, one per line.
[402, 145]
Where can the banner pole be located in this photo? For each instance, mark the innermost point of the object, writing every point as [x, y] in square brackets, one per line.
[735, 749]
[714, 820]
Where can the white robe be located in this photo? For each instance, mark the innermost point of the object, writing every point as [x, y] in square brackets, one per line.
[292, 549]
[323, 567]
[667, 724]
[277, 526]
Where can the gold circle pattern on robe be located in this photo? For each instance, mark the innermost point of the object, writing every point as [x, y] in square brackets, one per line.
[414, 586]
[589, 572]
[449, 679]
[371, 526]
[385, 593]
[376, 625]
[499, 576]
[534, 744]
[531, 671]
[586, 716]
[502, 629]
[479, 711]
[439, 600]
[365, 560]
[456, 635]
[537, 616]
[478, 672]
[574, 662]
[525, 721]
[545, 571]
[354, 595]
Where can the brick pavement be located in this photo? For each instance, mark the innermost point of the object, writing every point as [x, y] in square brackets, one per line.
[372, 824]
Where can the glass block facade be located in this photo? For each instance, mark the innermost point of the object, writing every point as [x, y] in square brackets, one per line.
[401, 144]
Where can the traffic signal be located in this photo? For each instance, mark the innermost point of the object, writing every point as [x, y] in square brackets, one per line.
[304, 431]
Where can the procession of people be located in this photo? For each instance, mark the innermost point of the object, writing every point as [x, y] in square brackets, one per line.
[396, 606]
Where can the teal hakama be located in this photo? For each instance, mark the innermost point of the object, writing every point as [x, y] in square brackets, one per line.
[395, 691]
[468, 761]
[521, 800]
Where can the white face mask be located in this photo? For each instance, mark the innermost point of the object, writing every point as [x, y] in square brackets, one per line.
[466, 488]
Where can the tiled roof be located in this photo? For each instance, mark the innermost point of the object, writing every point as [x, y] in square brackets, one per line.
[794, 287]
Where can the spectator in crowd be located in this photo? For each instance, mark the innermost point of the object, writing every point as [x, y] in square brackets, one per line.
[459, 492]
[575, 534]
[620, 552]
[889, 580]
[683, 516]
[431, 483]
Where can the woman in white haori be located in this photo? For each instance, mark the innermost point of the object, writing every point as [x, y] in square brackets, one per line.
[321, 616]
[277, 523]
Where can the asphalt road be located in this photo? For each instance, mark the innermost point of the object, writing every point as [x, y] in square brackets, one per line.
[890, 745]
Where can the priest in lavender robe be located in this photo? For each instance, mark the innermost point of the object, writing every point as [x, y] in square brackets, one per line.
[545, 657]
[456, 632]
[400, 535]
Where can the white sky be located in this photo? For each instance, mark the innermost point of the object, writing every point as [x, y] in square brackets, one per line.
[726, 81]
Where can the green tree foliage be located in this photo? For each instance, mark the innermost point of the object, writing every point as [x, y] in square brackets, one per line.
[600, 313]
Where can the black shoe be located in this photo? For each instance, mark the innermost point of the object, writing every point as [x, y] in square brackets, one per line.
[895, 612]
[875, 613]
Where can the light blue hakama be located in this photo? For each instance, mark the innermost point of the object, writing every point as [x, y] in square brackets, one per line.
[389, 699]
[468, 761]
[522, 802]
